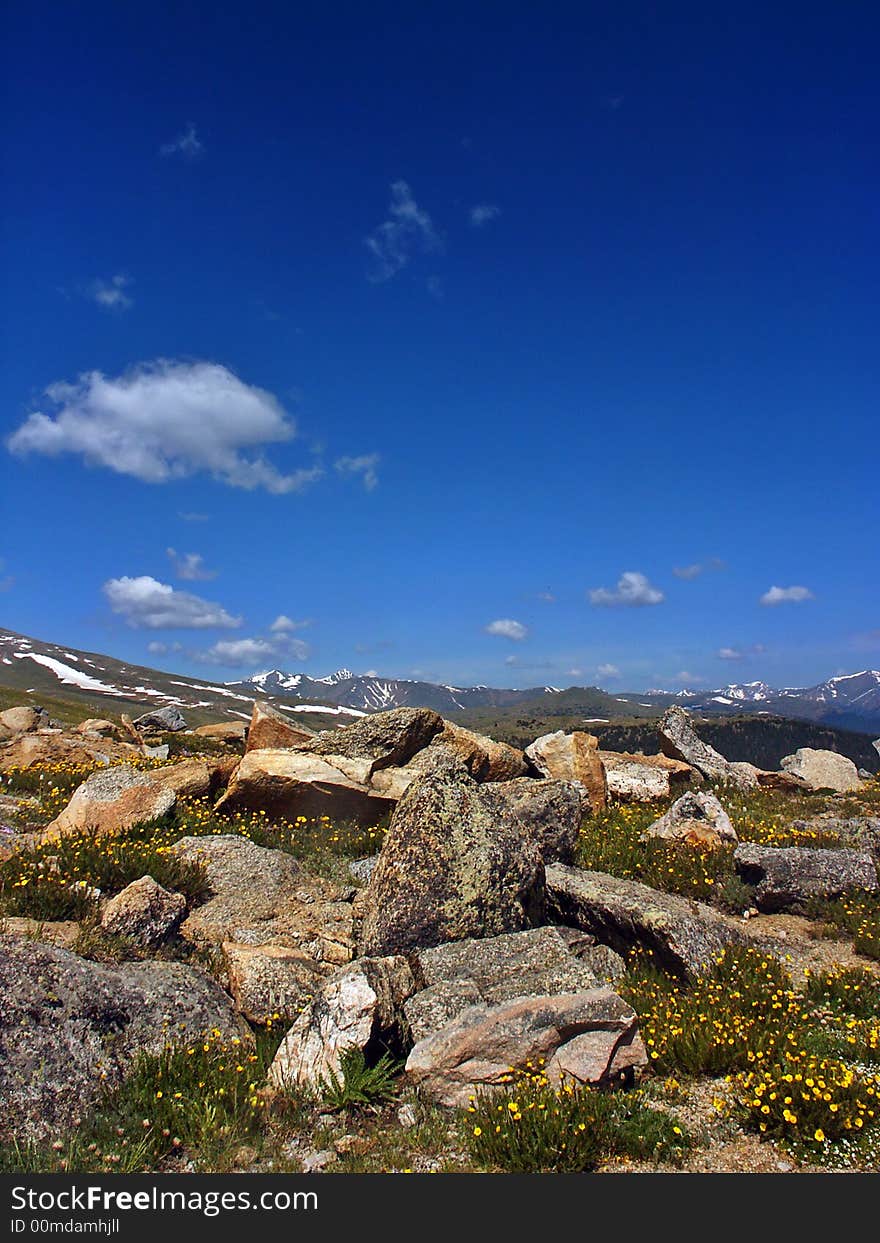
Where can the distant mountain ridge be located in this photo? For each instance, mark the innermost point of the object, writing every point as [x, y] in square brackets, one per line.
[846, 701]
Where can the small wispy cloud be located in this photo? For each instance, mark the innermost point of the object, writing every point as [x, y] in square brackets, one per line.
[365, 466]
[190, 566]
[608, 671]
[408, 229]
[546, 597]
[632, 591]
[187, 144]
[507, 628]
[191, 517]
[697, 568]
[286, 625]
[730, 653]
[786, 595]
[112, 294]
[158, 648]
[688, 679]
[482, 213]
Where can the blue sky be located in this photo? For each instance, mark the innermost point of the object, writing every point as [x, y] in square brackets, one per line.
[435, 339]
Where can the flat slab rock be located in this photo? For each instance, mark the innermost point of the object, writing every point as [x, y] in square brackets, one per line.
[786, 878]
[297, 783]
[685, 935]
[66, 1021]
[534, 963]
[589, 1036]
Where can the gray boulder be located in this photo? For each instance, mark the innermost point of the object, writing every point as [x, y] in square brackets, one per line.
[69, 1028]
[160, 720]
[685, 936]
[385, 739]
[679, 740]
[786, 878]
[454, 864]
[823, 770]
[696, 819]
[549, 812]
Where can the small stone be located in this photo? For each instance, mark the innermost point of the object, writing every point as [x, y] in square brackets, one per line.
[406, 1117]
[314, 1162]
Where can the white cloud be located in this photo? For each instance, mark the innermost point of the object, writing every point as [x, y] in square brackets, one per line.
[285, 625]
[786, 595]
[729, 653]
[365, 466]
[371, 673]
[482, 213]
[247, 653]
[156, 648]
[190, 566]
[698, 568]
[690, 679]
[633, 591]
[507, 628]
[111, 294]
[187, 144]
[145, 602]
[191, 517]
[408, 229]
[167, 420]
[608, 671]
[574, 673]
[547, 597]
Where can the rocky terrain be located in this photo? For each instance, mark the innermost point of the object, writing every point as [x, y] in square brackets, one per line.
[400, 944]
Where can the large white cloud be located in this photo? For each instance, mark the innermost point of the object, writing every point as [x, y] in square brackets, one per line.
[167, 420]
[632, 591]
[147, 603]
[249, 653]
[786, 595]
[507, 628]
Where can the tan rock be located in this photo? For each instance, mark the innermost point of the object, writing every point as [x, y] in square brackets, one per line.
[145, 913]
[644, 778]
[224, 731]
[293, 783]
[23, 719]
[45, 748]
[270, 980]
[696, 819]
[572, 757]
[54, 932]
[484, 758]
[112, 799]
[823, 770]
[269, 728]
[188, 779]
[97, 725]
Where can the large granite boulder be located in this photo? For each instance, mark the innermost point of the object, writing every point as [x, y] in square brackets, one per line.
[787, 878]
[268, 982]
[264, 897]
[572, 757]
[679, 740]
[23, 719]
[231, 732]
[550, 813]
[454, 864]
[823, 770]
[288, 784]
[685, 936]
[358, 1007]
[696, 819]
[71, 1028]
[160, 721]
[484, 758]
[385, 739]
[269, 728]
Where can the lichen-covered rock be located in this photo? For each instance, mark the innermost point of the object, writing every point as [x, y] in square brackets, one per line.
[549, 812]
[268, 982]
[484, 758]
[454, 864]
[264, 897]
[144, 913]
[572, 757]
[696, 819]
[685, 936]
[358, 1007]
[71, 1028]
[588, 1036]
[787, 878]
[645, 778]
[269, 728]
[823, 770]
[386, 739]
[161, 721]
